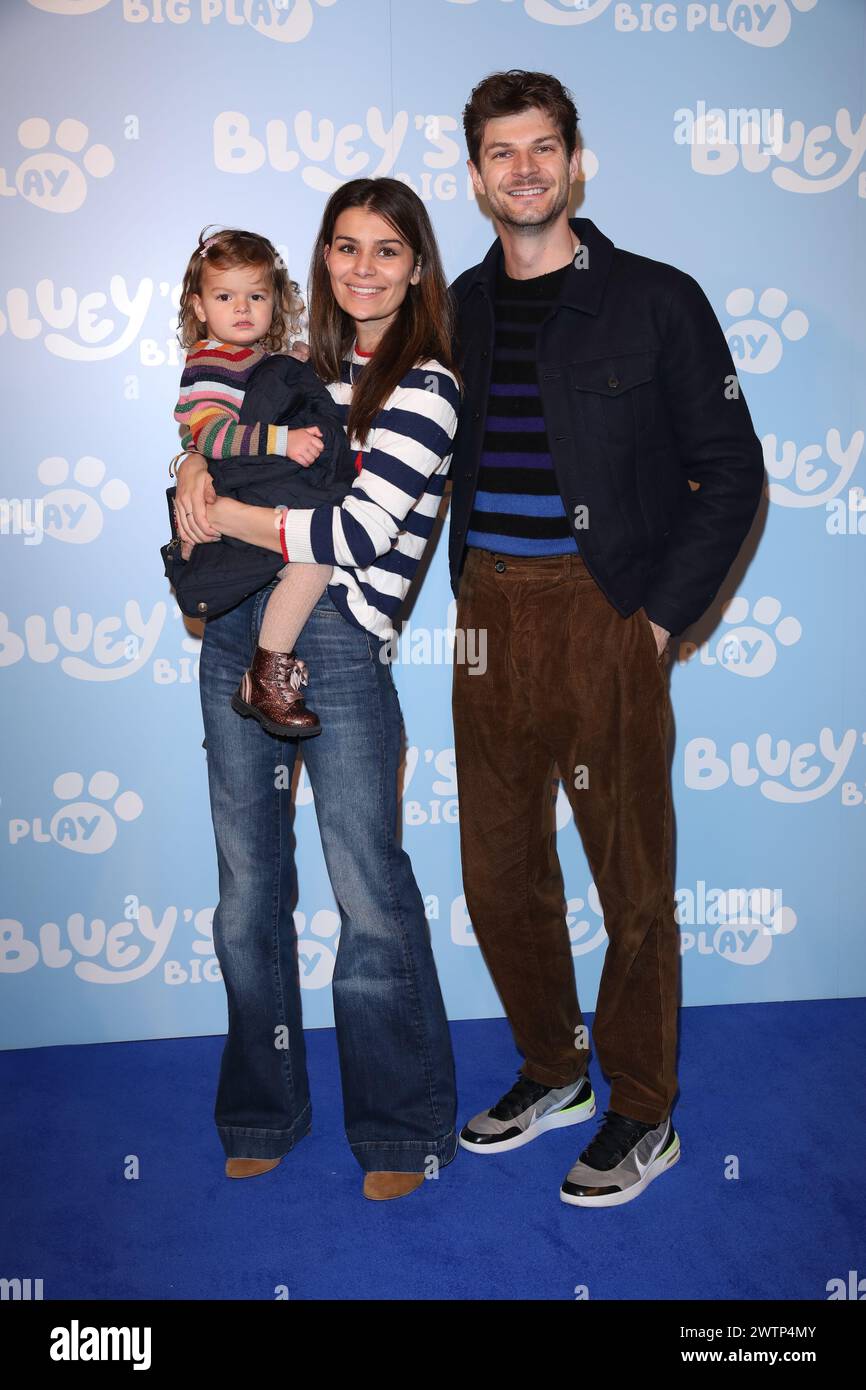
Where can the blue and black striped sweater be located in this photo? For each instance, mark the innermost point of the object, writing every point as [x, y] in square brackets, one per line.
[517, 507]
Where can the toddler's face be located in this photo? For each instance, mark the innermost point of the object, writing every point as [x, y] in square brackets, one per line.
[235, 305]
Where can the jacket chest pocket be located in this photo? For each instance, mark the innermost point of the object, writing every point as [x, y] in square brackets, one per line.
[613, 398]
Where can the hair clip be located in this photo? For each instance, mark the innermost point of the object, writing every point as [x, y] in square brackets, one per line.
[210, 241]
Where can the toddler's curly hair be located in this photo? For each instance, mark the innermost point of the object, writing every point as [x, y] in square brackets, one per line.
[233, 247]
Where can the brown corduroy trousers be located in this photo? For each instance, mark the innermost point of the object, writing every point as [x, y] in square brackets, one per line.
[569, 684]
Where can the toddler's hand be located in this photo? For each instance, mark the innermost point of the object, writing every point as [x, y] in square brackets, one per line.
[305, 445]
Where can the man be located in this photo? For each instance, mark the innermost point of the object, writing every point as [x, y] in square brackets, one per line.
[598, 386]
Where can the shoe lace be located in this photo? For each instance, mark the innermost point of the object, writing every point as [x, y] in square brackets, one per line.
[618, 1134]
[299, 674]
[294, 669]
[515, 1101]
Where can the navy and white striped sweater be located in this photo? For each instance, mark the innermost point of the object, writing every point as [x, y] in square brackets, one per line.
[376, 536]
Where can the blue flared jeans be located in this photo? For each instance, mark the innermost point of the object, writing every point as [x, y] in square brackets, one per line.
[394, 1045]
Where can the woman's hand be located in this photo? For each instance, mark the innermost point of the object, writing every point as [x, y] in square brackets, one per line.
[244, 521]
[195, 491]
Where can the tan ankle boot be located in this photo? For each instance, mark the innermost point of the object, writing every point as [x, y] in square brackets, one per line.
[380, 1187]
[270, 691]
[249, 1167]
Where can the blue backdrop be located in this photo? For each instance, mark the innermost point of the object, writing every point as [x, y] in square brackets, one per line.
[127, 125]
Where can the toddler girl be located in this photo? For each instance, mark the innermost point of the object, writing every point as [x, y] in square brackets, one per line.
[238, 310]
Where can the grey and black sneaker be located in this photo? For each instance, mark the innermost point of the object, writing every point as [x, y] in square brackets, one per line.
[527, 1110]
[620, 1162]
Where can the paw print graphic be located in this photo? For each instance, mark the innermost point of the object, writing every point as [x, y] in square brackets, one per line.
[54, 176]
[756, 344]
[750, 650]
[71, 515]
[317, 948]
[763, 25]
[90, 827]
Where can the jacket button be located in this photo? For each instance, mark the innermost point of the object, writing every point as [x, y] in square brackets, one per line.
[613, 382]
[477, 415]
[469, 476]
[202, 607]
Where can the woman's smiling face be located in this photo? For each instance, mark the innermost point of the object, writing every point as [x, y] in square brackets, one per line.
[371, 268]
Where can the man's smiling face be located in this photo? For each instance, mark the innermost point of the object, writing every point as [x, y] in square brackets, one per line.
[524, 170]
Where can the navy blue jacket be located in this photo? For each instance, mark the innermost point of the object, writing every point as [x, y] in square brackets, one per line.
[640, 395]
[280, 391]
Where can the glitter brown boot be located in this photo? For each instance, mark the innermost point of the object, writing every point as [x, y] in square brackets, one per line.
[270, 691]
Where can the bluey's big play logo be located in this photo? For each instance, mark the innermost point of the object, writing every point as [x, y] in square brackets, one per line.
[763, 23]
[95, 335]
[782, 771]
[111, 950]
[89, 648]
[285, 21]
[722, 141]
[813, 474]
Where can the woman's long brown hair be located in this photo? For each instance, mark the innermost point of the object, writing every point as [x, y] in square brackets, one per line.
[424, 324]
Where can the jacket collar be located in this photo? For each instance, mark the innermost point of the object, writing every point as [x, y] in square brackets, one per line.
[582, 288]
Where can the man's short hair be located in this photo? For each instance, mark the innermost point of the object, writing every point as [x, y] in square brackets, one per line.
[507, 94]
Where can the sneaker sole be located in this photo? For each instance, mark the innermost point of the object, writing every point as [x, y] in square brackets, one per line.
[658, 1166]
[559, 1119]
[281, 730]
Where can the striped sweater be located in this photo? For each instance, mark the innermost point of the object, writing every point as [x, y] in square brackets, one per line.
[376, 536]
[212, 386]
[517, 509]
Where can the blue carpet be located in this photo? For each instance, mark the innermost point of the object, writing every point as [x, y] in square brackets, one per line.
[777, 1086]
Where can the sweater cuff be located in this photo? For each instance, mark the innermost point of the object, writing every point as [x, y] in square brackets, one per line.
[295, 535]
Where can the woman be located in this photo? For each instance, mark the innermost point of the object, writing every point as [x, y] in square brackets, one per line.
[380, 335]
